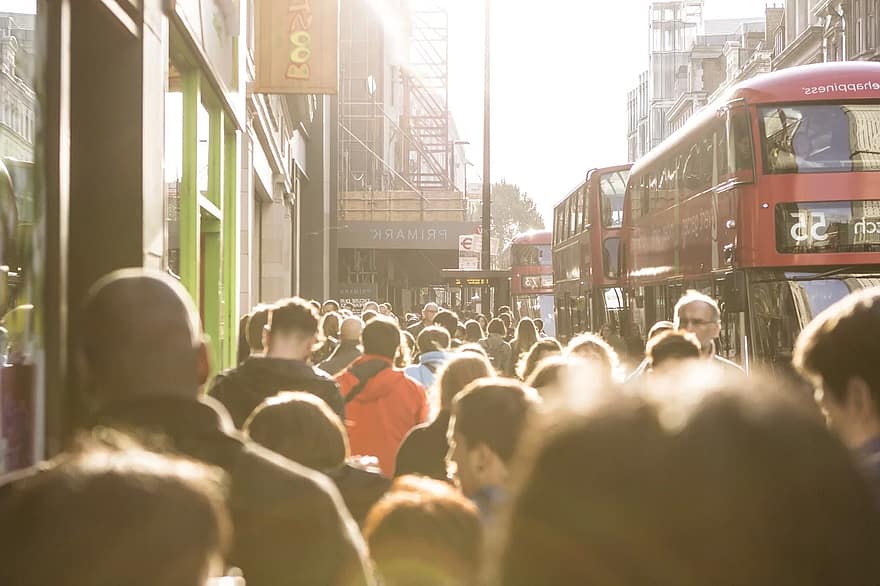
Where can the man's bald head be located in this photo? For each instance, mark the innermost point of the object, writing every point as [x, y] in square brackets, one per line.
[351, 329]
[142, 336]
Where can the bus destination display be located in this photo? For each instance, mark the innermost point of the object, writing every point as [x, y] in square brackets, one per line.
[840, 226]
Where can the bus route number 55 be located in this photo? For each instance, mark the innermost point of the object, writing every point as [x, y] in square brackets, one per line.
[810, 225]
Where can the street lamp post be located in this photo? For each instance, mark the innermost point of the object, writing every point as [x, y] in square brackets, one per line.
[454, 144]
[485, 255]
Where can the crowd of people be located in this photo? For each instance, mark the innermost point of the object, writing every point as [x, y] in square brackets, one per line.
[361, 448]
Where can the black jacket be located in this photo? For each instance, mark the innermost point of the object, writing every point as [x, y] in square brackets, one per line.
[243, 388]
[424, 449]
[360, 489]
[290, 525]
[346, 353]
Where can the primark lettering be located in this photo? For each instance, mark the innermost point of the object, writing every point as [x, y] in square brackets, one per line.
[409, 234]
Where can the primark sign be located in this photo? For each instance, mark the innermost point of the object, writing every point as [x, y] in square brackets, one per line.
[404, 235]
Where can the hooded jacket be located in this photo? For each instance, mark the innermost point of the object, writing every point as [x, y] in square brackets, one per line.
[243, 388]
[383, 412]
[425, 372]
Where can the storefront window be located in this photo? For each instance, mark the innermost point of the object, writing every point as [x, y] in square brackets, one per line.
[22, 256]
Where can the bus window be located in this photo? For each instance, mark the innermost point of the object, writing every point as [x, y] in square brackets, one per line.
[611, 257]
[532, 255]
[612, 187]
[741, 143]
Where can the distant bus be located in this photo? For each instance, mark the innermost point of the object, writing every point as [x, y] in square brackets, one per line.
[529, 257]
[766, 200]
[586, 244]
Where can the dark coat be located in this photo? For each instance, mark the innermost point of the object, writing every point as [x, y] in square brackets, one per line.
[346, 353]
[360, 489]
[291, 527]
[424, 449]
[243, 388]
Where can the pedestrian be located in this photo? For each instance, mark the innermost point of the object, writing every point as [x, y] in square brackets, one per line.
[702, 477]
[700, 315]
[433, 344]
[596, 352]
[448, 321]
[256, 329]
[349, 348]
[669, 349]
[145, 361]
[488, 418]
[113, 514]
[243, 350]
[425, 533]
[330, 306]
[498, 350]
[473, 332]
[539, 327]
[657, 329]
[525, 338]
[837, 352]
[329, 327]
[543, 348]
[291, 333]
[302, 428]
[382, 403]
[424, 449]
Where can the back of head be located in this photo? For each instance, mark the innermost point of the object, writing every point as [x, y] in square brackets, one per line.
[371, 306]
[493, 412]
[540, 350]
[842, 343]
[423, 532]
[671, 347]
[526, 334]
[473, 331]
[331, 305]
[447, 320]
[381, 337]
[506, 319]
[660, 327]
[496, 326]
[300, 427]
[293, 317]
[113, 516]
[697, 480]
[433, 338]
[259, 317]
[369, 315]
[141, 336]
[594, 349]
[351, 329]
[458, 373]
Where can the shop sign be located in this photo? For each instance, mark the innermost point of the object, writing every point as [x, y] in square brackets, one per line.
[404, 235]
[357, 294]
[296, 46]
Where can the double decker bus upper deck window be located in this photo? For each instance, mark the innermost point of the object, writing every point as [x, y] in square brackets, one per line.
[612, 187]
[532, 255]
[821, 138]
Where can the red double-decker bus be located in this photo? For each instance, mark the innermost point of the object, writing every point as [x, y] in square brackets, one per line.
[768, 200]
[586, 243]
[529, 257]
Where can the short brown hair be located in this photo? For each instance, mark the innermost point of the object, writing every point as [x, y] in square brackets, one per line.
[424, 532]
[493, 412]
[433, 338]
[300, 427]
[293, 316]
[458, 373]
[113, 515]
[672, 345]
[381, 337]
[842, 342]
[532, 357]
[496, 326]
[257, 321]
[592, 348]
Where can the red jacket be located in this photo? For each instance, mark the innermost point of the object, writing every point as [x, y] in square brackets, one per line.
[381, 415]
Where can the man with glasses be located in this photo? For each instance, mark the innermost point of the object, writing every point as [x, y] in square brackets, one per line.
[699, 314]
[428, 313]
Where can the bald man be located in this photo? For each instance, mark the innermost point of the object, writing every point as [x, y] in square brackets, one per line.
[146, 360]
[349, 348]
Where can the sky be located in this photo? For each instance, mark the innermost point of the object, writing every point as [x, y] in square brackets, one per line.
[561, 70]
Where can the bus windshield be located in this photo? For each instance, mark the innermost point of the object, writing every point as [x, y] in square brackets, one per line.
[820, 138]
[612, 187]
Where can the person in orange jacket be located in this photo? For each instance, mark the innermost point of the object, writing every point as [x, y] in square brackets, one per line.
[381, 403]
